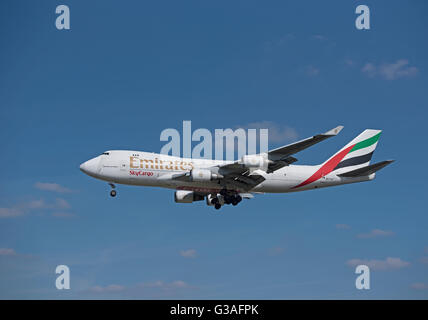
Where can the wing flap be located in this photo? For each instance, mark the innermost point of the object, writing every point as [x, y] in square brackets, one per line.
[280, 164]
[245, 181]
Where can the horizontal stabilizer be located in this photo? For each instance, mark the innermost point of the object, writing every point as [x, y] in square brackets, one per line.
[368, 170]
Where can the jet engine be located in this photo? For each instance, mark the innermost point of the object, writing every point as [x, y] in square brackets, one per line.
[202, 175]
[185, 196]
[254, 161]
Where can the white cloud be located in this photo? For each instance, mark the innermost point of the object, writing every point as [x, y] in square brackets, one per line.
[190, 253]
[312, 71]
[369, 69]
[164, 285]
[390, 71]
[285, 38]
[28, 206]
[179, 284]
[63, 215]
[349, 62]
[269, 46]
[35, 204]
[61, 204]
[342, 226]
[277, 133]
[375, 233]
[10, 212]
[319, 37]
[21, 208]
[387, 264]
[47, 186]
[419, 286]
[156, 289]
[108, 289]
[7, 252]
[276, 251]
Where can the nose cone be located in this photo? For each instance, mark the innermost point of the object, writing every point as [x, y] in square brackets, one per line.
[91, 166]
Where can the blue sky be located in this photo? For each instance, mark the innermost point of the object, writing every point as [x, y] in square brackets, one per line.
[127, 70]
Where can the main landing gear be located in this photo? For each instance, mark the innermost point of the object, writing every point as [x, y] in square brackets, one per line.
[226, 197]
[113, 192]
[216, 203]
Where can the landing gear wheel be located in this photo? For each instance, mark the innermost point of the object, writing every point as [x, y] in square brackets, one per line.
[217, 206]
[236, 199]
[228, 199]
[113, 193]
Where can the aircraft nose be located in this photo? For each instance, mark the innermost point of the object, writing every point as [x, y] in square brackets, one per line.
[90, 167]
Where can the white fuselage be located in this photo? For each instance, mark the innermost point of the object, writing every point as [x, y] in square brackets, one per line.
[157, 170]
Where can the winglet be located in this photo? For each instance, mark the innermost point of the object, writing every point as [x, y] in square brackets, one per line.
[334, 131]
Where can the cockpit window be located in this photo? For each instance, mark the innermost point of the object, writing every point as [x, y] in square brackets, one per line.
[106, 153]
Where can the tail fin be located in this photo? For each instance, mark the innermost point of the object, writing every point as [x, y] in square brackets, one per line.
[357, 153]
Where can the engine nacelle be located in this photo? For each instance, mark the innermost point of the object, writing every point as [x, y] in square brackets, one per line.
[185, 196]
[202, 175]
[254, 161]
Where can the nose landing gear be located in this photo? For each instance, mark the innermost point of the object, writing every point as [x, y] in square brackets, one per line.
[113, 192]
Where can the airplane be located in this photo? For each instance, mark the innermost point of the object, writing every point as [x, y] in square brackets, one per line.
[221, 182]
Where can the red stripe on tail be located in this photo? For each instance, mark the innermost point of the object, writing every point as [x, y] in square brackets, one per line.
[326, 168]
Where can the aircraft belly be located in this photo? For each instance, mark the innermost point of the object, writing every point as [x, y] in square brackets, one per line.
[275, 185]
[207, 187]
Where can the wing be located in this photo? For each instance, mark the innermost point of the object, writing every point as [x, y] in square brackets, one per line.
[237, 176]
[282, 153]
